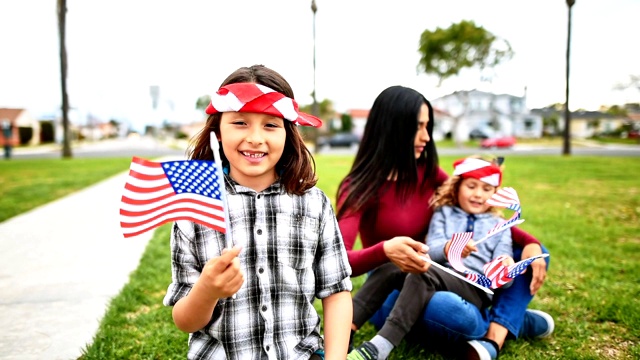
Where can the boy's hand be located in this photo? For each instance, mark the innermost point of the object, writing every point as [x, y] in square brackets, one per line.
[221, 276]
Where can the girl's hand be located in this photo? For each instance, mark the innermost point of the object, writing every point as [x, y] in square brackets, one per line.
[221, 276]
[470, 247]
[508, 260]
[407, 254]
[465, 252]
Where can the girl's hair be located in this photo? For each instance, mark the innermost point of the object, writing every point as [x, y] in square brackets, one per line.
[387, 149]
[447, 193]
[296, 167]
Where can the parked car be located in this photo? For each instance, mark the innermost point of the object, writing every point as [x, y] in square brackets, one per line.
[498, 142]
[478, 134]
[339, 140]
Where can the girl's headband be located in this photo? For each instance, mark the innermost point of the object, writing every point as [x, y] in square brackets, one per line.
[256, 98]
[482, 170]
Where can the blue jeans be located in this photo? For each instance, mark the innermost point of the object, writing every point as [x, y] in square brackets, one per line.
[449, 318]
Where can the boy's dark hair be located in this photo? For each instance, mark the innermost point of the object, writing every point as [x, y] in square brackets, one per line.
[387, 148]
[296, 167]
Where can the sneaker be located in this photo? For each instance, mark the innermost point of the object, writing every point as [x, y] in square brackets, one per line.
[482, 349]
[366, 351]
[537, 324]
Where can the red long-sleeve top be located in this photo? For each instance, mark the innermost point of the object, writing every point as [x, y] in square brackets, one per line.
[391, 218]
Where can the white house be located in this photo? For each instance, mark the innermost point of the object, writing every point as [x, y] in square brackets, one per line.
[492, 114]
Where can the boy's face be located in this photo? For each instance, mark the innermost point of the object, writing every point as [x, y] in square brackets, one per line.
[473, 195]
[253, 143]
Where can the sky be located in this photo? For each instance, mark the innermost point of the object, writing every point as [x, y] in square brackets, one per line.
[118, 49]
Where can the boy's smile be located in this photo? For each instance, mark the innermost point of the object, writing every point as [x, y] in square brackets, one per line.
[253, 143]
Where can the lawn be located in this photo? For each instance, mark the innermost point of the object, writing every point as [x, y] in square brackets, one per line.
[586, 210]
[26, 184]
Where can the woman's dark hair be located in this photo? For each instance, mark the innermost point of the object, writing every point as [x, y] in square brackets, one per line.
[387, 149]
[296, 167]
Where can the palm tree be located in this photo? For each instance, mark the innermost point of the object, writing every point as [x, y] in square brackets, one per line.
[62, 20]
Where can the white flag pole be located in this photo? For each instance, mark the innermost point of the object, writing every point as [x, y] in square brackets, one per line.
[223, 192]
[490, 234]
[487, 290]
[215, 146]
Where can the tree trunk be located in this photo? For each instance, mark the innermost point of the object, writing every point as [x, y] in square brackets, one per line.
[62, 20]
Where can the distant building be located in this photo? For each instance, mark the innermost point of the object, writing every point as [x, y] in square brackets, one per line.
[492, 114]
[26, 128]
[440, 127]
[585, 124]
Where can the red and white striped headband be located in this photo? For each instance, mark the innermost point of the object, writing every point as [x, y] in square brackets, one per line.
[482, 170]
[256, 98]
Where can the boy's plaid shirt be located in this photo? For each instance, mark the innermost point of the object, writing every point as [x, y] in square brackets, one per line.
[292, 252]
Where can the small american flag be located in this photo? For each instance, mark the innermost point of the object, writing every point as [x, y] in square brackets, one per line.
[506, 198]
[458, 242]
[161, 192]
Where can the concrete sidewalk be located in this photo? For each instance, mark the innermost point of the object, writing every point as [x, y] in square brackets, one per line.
[60, 265]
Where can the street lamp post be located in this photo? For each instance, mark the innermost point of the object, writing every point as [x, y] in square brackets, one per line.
[314, 106]
[566, 148]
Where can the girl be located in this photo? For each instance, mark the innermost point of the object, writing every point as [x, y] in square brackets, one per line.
[460, 205]
[288, 249]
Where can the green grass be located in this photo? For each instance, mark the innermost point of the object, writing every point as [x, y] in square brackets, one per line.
[586, 210]
[27, 184]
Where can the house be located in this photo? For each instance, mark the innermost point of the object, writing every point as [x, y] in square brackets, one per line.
[585, 124]
[441, 125]
[26, 129]
[492, 114]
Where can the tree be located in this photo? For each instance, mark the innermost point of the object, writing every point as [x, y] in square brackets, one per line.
[634, 82]
[347, 123]
[445, 52]
[463, 45]
[202, 102]
[62, 21]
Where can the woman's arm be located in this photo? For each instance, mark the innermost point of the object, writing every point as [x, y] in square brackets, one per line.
[538, 267]
[522, 238]
[338, 314]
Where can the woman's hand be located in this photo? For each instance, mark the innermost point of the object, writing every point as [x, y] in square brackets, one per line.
[538, 267]
[407, 254]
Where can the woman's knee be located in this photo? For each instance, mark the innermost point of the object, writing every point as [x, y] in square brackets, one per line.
[453, 316]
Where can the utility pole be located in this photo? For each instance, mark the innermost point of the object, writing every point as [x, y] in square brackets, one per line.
[314, 106]
[62, 16]
[566, 148]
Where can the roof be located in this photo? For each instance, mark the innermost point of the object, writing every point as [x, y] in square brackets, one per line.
[11, 114]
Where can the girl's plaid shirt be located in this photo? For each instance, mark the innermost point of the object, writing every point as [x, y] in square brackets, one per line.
[292, 253]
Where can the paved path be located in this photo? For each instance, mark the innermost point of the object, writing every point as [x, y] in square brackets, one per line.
[60, 265]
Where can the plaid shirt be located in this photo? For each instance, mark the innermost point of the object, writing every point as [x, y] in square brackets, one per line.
[292, 252]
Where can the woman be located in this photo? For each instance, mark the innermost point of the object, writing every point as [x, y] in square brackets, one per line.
[385, 200]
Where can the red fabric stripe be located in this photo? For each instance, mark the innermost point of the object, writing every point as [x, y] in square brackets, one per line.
[213, 226]
[144, 162]
[142, 176]
[142, 190]
[189, 201]
[186, 209]
[131, 201]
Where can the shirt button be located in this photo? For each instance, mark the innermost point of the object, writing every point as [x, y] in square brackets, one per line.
[259, 231]
[259, 196]
[268, 347]
[261, 270]
[264, 307]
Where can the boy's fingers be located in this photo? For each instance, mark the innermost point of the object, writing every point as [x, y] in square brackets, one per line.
[227, 256]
